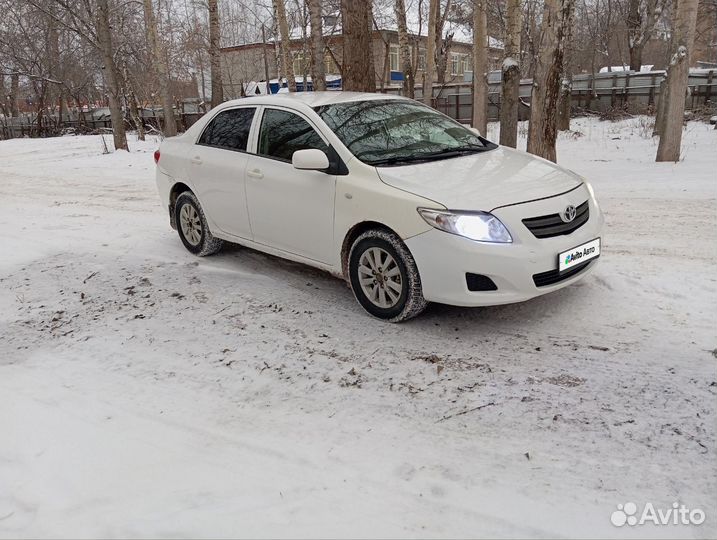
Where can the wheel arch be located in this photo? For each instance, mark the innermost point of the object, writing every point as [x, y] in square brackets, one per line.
[352, 234]
[177, 189]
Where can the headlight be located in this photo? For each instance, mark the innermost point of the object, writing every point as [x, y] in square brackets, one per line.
[591, 192]
[480, 226]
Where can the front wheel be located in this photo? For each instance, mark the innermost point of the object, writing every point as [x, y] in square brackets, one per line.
[192, 226]
[384, 277]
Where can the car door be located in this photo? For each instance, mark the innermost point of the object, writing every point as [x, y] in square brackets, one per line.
[217, 165]
[290, 209]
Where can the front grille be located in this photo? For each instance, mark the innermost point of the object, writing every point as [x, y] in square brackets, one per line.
[553, 224]
[553, 276]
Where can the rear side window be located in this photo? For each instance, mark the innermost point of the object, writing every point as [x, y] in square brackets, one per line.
[229, 129]
[283, 133]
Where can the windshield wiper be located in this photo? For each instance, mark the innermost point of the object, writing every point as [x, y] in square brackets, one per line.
[428, 156]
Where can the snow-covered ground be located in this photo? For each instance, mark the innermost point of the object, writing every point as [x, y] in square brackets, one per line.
[145, 392]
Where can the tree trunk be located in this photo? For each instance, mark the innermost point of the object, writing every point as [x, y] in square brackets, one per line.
[542, 131]
[14, 93]
[287, 66]
[215, 60]
[114, 92]
[159, 55]
[357, 70]
[480, 67]
[510, 86]
[685, 21]
[318, 75]
[133, 108]
[405, 49]
[662, 101]
[430, 70]
[634, 24]
[265, 58]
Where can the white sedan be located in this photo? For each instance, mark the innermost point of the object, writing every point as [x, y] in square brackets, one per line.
[403, 202]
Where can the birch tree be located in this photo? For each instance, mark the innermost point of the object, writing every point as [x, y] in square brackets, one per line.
[405, 49]
[161, 68]
[480, 66]
[510, 84]
[641, 19]
[429, 72]
[318, 75]
[111, 73]
[287, 66]
[542, 131]
[685, 21]
[215, 61]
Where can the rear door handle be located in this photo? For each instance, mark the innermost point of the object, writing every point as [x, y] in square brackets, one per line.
[255, 173]
[196, 160]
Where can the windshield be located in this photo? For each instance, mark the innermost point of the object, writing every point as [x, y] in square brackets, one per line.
[394, 132]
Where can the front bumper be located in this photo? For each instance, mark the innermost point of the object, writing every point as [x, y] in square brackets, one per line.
[443, 259]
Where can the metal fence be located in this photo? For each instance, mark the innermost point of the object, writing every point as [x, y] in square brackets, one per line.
[600, 92]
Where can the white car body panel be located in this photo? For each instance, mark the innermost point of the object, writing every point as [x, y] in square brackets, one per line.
[306, 216]
[483, 181]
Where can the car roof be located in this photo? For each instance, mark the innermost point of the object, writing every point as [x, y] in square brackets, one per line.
[311, 99]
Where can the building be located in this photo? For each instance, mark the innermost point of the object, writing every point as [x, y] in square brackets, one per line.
[245, 63]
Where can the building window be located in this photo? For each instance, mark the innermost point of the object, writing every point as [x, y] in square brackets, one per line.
[393, 58]
[458, 64]
[300, 62]
[329, 64]
[421, 65]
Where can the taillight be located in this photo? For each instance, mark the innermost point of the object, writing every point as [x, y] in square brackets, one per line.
[156, 156]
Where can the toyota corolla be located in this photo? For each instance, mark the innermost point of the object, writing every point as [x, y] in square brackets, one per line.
[406, 204]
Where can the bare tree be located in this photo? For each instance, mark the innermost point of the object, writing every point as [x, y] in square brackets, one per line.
[215, 54]
[542, 131]
[318, 75]
[287, 66]
[429, 72]
[111, 73]
[510, 85]
[405, 49]
[642, 17]
[685, 21]
[480, 66]
[159, 57]
[357, 69]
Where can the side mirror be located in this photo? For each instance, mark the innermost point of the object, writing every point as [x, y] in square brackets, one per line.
[475, 130]
[311, 159]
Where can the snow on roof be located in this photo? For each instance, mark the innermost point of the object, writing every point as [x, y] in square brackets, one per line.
[644, 68]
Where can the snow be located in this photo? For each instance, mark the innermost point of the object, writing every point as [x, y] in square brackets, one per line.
[145, 392]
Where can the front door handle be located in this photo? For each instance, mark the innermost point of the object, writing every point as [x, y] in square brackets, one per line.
[255, 173]
[196, 160]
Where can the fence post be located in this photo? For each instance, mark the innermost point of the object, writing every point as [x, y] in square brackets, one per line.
[612, 96]
[591, 90]
[651, 95]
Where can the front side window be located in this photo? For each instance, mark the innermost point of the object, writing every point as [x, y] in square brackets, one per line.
[283, 133]
[229, 129]
[396, 131]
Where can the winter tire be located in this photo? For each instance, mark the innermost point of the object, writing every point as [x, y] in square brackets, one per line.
[192, 226]
[384, 277]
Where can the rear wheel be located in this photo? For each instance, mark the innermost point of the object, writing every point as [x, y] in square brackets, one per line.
[192, 226]
[384, 277]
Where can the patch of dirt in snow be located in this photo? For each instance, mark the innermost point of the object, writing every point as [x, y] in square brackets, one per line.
[492, 421]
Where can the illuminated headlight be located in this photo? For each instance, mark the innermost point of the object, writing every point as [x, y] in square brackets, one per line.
[480, 226]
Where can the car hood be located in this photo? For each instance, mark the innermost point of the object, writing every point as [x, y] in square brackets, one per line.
[482, 181]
